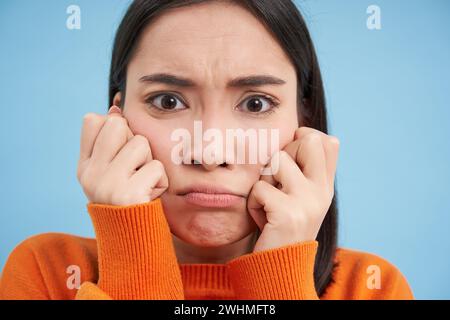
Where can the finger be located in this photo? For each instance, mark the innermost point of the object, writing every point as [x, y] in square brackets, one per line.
[269, 179]
[266, 172]
[152, 176]
[286, 172]
[134, 154]
[116, 111]
[331, 147]
[261, 200]
[110, 140]
[292, 149]
[297, 175]
[311, 158]
[92, 124]
[332, 152]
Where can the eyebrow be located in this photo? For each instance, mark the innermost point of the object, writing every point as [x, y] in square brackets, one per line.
[247, 81]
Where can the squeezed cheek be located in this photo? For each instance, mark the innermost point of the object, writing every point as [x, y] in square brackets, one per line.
[161, 146]
[286, 133]
[287, 130]
[157, 135]
[286, 136]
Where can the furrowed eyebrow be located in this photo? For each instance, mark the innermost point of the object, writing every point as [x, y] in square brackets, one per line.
[248, 81]
[256, 81]
[168, 79]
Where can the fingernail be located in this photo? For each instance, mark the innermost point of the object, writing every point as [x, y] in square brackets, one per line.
[114, 110]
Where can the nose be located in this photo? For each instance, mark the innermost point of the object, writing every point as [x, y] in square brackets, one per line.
[209, 144]
[208, 162]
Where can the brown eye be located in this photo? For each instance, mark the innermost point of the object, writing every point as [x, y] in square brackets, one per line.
[257, 104]
[167, 102]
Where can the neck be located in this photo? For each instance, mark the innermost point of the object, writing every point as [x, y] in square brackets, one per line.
[190, 254]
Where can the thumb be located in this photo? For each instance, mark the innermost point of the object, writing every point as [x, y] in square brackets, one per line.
[256, 203]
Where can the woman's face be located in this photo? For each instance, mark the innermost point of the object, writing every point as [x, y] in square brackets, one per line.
[209, 45]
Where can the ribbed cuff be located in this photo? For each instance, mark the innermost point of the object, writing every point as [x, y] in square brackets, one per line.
[285, 273]
[137, 258]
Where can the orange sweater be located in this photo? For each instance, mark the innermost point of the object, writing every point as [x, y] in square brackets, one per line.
[133, 257]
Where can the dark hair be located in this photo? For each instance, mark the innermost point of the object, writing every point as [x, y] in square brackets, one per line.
[285, 22]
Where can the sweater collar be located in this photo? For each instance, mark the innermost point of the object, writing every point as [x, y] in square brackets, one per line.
[206, 281]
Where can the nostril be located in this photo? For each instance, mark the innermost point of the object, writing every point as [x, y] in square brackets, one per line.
[196, 162]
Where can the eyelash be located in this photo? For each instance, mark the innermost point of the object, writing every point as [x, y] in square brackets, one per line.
[274, 104]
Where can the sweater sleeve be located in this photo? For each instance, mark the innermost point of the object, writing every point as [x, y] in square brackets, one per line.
[136, 256]
[285, 273]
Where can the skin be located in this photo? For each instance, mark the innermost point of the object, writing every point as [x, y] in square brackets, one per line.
[125, 156]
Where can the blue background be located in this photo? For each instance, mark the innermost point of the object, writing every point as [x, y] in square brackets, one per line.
[387, 91]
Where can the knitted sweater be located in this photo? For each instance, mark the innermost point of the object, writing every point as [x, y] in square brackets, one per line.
[133, 257]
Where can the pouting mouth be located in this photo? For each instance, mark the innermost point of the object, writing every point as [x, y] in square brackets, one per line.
[208, 189]
[213, 200]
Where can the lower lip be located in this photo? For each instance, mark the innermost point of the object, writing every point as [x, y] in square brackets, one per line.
[212, 200]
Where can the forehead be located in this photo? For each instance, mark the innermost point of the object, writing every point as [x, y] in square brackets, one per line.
[212, 36]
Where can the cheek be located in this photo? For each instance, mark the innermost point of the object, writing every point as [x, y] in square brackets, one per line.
[287, 129]
[287, 135]
[279, 136]
[160, 144]
[157, 133]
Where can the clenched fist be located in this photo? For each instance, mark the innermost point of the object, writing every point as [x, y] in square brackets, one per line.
[293, 210]
[116, 167]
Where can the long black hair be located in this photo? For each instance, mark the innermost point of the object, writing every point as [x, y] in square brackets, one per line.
[286, 23]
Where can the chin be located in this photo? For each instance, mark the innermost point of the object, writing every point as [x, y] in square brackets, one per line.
[213, 229]
[210, 242]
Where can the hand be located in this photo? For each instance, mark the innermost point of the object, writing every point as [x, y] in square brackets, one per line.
[294, 210]
[116, 167]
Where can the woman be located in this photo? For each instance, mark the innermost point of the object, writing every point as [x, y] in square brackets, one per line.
[201, 229]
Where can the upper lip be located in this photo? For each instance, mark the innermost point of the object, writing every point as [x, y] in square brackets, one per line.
[208, 189]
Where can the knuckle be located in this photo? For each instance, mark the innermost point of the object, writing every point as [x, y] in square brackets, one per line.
[302, 131]
[91, 120]
[335, 141]
[91, 117]
[84, 178]
[158, 165]
[141, 140]
[140, 144]
[313, 137]
[116, 122]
